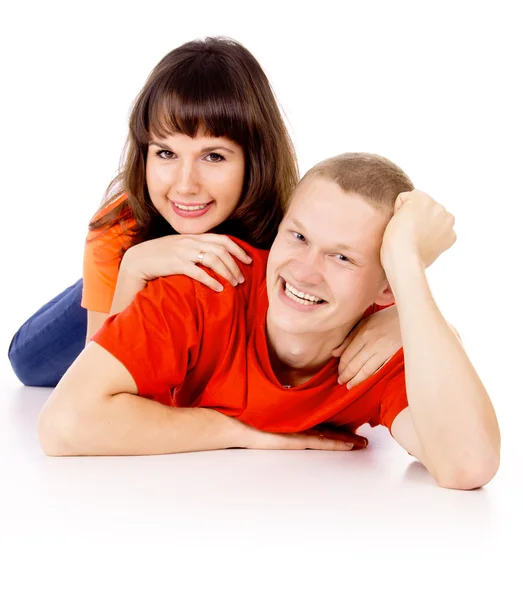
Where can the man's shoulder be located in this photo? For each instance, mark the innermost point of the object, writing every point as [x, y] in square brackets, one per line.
[183, 287]
[258, 255]
[254, 274]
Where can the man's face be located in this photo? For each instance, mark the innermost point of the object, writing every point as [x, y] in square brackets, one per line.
[324, 267]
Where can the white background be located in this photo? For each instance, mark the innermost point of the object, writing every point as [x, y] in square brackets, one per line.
[434, 86]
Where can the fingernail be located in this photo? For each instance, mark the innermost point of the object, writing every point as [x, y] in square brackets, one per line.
[242, 279]
[249, 259]
[219, 288]
[340, 381]
[349, 386]
[349, 446]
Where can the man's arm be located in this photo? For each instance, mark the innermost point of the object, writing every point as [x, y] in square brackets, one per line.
[450, 424]
[95, 411]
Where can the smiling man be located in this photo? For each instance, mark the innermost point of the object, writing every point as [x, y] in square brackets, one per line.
[253, 367]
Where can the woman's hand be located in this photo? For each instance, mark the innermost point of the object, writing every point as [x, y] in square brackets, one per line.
[368, 346]
[181, 254]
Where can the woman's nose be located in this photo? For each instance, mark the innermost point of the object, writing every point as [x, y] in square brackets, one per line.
[186, 179]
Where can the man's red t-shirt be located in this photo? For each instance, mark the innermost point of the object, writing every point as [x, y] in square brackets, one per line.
[210, 349]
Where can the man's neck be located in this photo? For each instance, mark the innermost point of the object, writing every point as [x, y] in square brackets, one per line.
[297, 358]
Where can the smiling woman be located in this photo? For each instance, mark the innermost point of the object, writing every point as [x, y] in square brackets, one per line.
[195, 186]
[207, 154]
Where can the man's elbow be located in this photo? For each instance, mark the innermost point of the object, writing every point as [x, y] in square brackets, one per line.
[56, 428]
[470, 476]
[64, 427]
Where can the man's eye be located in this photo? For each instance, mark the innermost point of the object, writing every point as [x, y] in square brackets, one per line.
[215, 157]
[298, 236]
[343, 258]
[165, 154]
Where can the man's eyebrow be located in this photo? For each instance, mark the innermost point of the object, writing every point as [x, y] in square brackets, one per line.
[161, 144]
[340, 246]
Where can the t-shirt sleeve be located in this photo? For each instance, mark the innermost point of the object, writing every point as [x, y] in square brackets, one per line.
[394, 396]
[102, 257]
[100, 269]
[157, 337]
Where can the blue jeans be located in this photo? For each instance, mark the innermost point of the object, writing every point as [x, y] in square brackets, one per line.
[46, 345]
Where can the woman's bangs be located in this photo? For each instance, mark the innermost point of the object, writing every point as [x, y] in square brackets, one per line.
[206, 114]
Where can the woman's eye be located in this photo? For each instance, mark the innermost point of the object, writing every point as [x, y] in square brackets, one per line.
[215, 157]
[298, 236]
[165, 154]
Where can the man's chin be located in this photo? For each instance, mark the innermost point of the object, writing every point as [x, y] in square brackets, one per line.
[290, 325]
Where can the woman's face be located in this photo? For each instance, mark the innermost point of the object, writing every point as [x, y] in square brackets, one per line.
[194, 183]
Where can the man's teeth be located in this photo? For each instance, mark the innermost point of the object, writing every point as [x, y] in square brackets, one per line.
[300, 297]
[189, 208]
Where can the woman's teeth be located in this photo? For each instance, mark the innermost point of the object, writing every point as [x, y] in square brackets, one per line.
[189, 208]
[300, 297]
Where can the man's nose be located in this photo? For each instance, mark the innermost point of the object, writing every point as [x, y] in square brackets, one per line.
[308, 270]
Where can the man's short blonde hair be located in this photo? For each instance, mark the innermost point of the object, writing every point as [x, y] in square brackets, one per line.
[375, 178]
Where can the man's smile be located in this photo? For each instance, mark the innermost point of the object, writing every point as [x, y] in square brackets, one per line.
[298, 299]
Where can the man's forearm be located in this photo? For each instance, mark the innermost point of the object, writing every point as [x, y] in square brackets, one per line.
[125, 424]
[451, 410]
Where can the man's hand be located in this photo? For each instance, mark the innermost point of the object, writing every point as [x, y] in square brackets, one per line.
[318, 438]
[420, 227]
[368, 347]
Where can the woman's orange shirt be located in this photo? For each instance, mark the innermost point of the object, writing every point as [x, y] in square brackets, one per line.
[102, 257]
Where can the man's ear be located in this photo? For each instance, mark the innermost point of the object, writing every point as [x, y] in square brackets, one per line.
[385, 296]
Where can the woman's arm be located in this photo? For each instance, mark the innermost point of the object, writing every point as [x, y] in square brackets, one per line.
[177, 255]
[95, 320]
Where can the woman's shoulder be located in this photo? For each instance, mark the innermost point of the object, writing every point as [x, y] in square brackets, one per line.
[113, 204]
[123, 220]
[107, 241]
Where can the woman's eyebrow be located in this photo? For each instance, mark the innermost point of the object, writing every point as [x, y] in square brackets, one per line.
[159, 144]
[206, 149]
[214, 148]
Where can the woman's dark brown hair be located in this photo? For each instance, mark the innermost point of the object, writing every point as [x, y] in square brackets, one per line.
[217, 87]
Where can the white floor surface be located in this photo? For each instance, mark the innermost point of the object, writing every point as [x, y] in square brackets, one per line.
[250, 524]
